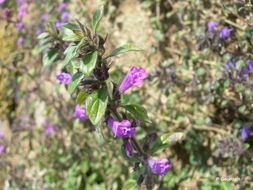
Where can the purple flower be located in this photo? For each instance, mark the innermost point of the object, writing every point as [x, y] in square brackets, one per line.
[58, 24]
[128, 148]
[39, 31]
[64, 78]
[22, 10]
[244, 72]
[1, 134]
[135, 77]
[212, 25]
[50, 130]
[1, 148]
[7, 12]
[225, 32]
[45, 16]
[2, 1]
[250, 64]
[20, 41]
[159, 167]
[61, 7]
[64, 16]
[121, 129]
[245, 133]
[19, 25]
[229, 65]
[80, 113]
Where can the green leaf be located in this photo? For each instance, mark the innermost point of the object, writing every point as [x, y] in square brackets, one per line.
[43, 35]
[246, 146]
[201, 71]
[81, 97]
[138, 111]
[166, 140]
[242, 109]
[96, 18]
[130, 184]
[70, 53]
[74, 82]
[88, 63]
[96, 105]
[50, 57]
[123, 49]
[71, 32]
[43, 47]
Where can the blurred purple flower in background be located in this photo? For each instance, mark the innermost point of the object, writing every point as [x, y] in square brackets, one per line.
[20, 41]
[159, 167]
[19, 25]
[63, 77]
[80, 113]
[229, 65]
[22, 11]
[250, 64]
[121, 129]
[7, 12]
[2, 1]
[50, 130]
[225, 32]
[64, 16]
[1, 134]
[45, 16]
[128, 148]
[58, 24]
[212, 25]
[245, 133]
[244, 72]
[135, 77]
[61, 7]
[1, 148]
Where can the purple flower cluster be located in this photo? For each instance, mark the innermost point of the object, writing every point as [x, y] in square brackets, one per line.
[224, 33]
[80, 113]
[64, 15]
[230, 66]
[22, 12]
[124, 129]
[63, 77]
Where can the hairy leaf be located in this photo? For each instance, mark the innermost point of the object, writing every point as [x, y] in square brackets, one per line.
[74, 82]
[123, 49]
[96, 18]
[88, 63]
[138, 111]
[96, 105]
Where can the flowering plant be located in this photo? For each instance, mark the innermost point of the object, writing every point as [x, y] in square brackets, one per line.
[86, 72]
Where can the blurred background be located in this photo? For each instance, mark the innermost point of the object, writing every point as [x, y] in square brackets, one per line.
[199, 85]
